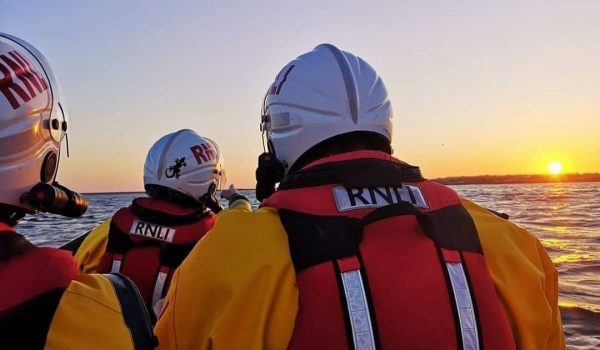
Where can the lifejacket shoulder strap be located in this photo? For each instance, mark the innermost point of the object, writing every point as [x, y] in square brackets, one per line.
[134, 311]
[353, 173]
[12, 244]
[314, 239]
[450, 227]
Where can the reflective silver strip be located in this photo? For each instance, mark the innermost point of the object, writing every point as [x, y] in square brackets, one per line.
[358, 309]
[464, 305]
[116, 266]
[158, 287]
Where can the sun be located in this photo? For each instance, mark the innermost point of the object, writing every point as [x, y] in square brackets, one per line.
[555, 167]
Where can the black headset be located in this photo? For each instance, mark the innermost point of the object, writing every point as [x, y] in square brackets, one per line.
[270, 170]
[54, 198]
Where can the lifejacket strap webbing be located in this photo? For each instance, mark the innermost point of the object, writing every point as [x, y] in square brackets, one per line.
[388, 211]
[317, 239]
[451, 227]
[134, 312]
[314, 239]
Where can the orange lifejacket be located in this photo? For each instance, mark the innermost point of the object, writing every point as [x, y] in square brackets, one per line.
[148, 240]
[385, 259]
[30, 271]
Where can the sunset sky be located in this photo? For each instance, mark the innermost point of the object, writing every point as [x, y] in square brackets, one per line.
[476, 87]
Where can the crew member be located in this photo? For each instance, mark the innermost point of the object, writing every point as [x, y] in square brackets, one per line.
[44, 302]
[355, 249]
[149, 239]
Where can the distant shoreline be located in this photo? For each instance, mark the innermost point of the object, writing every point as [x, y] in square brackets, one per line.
[517, 179]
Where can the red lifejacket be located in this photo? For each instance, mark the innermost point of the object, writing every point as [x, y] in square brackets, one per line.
[149, 239]
[27, 271]
[385, 259]
[33, 280]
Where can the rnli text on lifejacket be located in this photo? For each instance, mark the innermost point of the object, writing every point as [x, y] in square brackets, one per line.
[146, 229]
[375, 197]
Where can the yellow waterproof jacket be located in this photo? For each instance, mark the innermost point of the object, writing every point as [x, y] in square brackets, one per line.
[92, 249]
[94, 312]
[100, 312]
[237, 288]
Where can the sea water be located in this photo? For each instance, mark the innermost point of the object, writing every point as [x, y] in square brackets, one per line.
[566, 218]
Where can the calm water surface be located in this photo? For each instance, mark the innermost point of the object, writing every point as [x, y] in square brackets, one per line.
[566, 218]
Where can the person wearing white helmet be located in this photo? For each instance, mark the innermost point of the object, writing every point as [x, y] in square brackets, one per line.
[44, 303]
[147, 240]
[355, 249]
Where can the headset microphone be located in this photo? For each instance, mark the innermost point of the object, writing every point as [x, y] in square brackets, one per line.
[56, 199]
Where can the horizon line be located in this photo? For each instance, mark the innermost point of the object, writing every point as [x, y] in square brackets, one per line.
[553, 179]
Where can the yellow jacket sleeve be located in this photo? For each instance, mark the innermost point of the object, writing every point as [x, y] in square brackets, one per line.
[525, 279]
[235, 290]
[241, 204]
[92, 249]
[89, 316]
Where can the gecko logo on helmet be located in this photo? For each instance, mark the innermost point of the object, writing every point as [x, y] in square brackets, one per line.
[175, 169]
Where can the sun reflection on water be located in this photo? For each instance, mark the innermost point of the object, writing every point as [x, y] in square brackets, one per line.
[555, 243]
[574, 257]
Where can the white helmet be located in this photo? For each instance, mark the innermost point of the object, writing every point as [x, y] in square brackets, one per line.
[323, 93]
[33, 121]
[185, 162]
